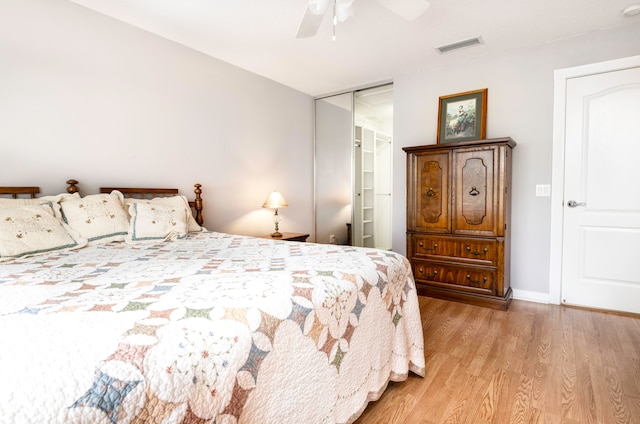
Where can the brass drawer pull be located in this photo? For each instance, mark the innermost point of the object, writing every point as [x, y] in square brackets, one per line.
[430, 192]
[435, 246]
[484, 280]
[484, 252]
[421, 272]
[474, 191]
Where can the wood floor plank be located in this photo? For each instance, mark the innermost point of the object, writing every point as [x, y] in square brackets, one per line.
[634, 409]
[621, 411]
[568, 372]
[489, 407]
[403, 401]
[632, 377]
[472, 322]
[521, 410]
[537, 417]
[435, 405]
[507, 399]
[629, 380]
[466, 400]
[482, 348]
[540, 385]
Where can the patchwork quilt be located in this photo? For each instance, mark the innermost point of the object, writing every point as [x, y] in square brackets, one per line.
[215, 328]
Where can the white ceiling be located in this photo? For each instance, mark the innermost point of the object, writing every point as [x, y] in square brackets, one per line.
[373, 46]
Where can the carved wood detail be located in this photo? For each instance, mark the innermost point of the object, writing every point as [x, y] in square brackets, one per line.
[431, 196]
[474, 191]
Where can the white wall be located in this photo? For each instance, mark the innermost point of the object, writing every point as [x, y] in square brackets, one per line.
[520, 105]
[87, 97]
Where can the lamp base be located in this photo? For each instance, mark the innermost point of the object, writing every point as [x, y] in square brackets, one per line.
[277, 234]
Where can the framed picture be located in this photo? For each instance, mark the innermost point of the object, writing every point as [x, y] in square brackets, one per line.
[463, 116]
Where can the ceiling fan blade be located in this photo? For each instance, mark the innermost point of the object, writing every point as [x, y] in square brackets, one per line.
[407, 9]
[309, 24]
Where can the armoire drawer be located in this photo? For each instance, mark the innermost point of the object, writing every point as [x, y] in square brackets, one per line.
[456, 277]
[458, 249]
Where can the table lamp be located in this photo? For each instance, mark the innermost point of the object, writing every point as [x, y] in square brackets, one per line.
[275, 201]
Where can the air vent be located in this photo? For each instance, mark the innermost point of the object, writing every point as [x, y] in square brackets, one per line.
[460, 45]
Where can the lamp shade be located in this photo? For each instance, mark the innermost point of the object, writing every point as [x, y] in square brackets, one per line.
[275, 200]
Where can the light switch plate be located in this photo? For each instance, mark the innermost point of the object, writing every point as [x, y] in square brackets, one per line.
[543, 190]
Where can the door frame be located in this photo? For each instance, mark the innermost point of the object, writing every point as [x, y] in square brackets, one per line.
[561, 76]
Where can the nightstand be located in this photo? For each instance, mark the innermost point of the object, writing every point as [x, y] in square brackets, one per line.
[289, 237]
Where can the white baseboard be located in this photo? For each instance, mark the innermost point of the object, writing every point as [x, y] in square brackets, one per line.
[531, 296]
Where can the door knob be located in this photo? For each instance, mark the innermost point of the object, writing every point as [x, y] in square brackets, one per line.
[574, 204]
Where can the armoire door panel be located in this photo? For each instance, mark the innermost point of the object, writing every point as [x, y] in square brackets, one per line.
[474, 191]
[474, 211]
[432, 196]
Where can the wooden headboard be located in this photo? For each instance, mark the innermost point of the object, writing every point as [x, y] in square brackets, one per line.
[149, 193]
[14, 192]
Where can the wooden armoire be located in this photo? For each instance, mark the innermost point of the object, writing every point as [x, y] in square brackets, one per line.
[458, 220]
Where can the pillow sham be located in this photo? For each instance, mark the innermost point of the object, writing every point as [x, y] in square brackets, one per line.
[153, 223]
[32, 230]
[99, 218]
[55, 200]
[173, 201]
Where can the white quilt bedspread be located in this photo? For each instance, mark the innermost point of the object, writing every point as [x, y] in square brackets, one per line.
[216, 328]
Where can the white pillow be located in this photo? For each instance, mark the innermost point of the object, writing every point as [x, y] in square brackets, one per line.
[174, 201]
[99, 218]
[32, 230]
[153, 223]
[16, 203]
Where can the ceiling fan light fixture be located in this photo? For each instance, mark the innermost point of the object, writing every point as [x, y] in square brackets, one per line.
[318, 7]
[344, 9]
[406, 9]
[460, 45]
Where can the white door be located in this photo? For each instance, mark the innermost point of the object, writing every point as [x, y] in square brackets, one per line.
[601, 215]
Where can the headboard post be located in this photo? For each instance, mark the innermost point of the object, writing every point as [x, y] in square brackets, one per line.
[72, 186]
[198, 204]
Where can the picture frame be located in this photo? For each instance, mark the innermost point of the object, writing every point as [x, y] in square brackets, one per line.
[462, 116]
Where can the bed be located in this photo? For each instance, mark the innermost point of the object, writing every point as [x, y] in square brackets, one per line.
[130, 324]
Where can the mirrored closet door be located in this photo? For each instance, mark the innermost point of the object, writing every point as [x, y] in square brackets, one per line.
[353, 157]
[333, 168]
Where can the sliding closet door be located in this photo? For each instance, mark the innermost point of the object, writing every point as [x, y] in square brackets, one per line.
[333, 168]
[373, 147]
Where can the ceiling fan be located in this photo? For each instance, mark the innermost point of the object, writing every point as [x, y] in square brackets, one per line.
[343, 9]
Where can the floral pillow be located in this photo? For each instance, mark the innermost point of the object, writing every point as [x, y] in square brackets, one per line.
[174, 201]
[99, 218]
[33, 229]
[153, 223]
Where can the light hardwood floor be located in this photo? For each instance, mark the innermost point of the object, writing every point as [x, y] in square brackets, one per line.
[535, 363]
